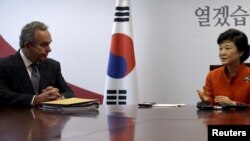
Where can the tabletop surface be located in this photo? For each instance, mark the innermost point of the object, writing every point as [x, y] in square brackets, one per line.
[116, 123]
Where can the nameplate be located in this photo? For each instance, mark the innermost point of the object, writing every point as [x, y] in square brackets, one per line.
[226, 132]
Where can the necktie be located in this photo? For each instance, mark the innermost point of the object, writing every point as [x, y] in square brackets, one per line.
[35, 77]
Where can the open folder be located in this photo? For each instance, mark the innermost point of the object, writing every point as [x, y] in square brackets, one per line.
[70, 105]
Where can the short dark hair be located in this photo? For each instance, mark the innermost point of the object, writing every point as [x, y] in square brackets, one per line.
[239, 39]
[28, 31]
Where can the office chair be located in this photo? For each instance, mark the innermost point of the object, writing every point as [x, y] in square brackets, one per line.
[212, 67]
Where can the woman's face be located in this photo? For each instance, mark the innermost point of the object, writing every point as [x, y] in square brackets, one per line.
[229, 53]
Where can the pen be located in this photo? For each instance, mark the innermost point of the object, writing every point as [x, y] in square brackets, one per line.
[217, 107]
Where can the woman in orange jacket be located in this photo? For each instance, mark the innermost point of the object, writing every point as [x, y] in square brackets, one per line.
[229, 84]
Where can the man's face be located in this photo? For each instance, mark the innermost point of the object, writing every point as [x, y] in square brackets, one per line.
[39, 50]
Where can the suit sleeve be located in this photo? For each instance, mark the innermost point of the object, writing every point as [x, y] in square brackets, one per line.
[209, 87]
[9, 97]
[62, 84]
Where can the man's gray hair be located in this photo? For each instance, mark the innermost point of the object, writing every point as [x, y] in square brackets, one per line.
[28, 32]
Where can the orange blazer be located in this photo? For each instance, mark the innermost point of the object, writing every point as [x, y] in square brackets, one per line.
[237, 88]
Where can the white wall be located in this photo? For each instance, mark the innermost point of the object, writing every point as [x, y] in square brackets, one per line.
[173, 52]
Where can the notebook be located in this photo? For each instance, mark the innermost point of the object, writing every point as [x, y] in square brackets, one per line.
[70, 105]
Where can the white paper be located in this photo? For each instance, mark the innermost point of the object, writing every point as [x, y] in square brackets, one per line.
[168, 105]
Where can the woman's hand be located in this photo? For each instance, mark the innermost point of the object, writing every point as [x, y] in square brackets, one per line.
[224, 100]
[203, 95]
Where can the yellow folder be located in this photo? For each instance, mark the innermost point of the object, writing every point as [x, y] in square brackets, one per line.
[69, 101]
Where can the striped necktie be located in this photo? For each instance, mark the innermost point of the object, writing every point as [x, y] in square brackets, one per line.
[35, 77]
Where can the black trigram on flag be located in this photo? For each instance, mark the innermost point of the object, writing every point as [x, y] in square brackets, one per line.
[116, 97]
[121, 14]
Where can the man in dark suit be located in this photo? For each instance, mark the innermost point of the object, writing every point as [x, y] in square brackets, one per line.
[16, 87]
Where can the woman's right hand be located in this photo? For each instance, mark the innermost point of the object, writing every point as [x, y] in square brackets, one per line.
[203, 95]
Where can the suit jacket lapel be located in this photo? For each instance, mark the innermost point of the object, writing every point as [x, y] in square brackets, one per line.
[23, 74]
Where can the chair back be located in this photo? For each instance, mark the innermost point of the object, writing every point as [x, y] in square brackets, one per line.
[212, 67]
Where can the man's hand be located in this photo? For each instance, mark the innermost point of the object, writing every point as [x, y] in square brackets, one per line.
[48, 94]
